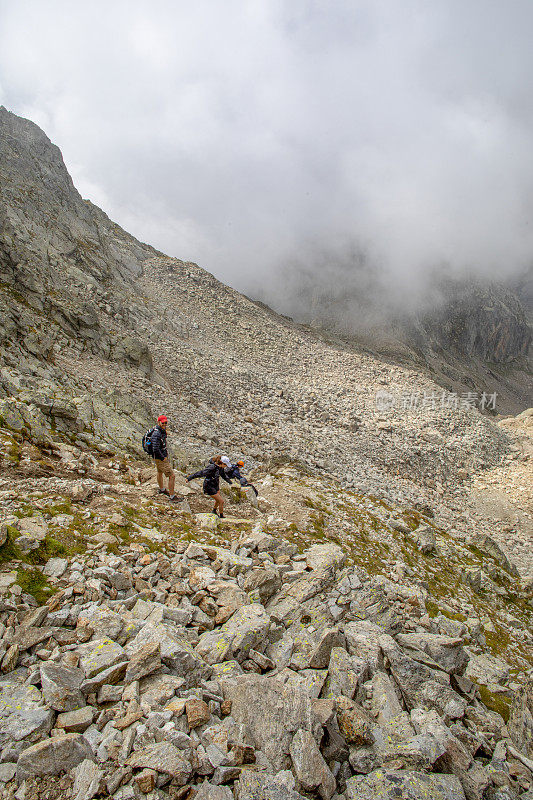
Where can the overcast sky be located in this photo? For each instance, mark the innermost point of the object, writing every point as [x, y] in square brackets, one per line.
[245, 134]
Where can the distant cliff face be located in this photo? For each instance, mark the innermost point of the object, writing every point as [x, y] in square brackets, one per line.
[486, 322]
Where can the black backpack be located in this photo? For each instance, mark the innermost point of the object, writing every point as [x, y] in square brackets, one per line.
[147, 442]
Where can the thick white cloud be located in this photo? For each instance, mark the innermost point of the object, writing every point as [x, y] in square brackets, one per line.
[248, 134]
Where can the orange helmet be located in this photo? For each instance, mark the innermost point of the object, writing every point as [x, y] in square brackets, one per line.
[240, 463]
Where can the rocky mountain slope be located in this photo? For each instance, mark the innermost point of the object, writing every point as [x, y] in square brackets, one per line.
[365, 631]
[318, 643]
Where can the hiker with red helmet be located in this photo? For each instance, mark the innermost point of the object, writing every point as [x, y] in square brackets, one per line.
[160, 455]
[234, 471]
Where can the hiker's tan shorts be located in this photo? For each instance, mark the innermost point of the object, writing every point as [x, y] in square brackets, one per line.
[163, 467]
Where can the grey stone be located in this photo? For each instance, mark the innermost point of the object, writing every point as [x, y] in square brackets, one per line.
[244, 631]
[55, 567]
[144, 662]
[271, 712]
[61, 686]
[254, 785]
[63, 752]
[262, 584]
[176, 652]
[7, 772]
[165, 758]
[208, 791]
[521, 719]
[485, 668]
[76, 721]
[98, 655]
[87, 780]
[404, 784]
[418, 686]
[311, 770]
[325, 556]
[22, 717]
[345, 673]
[447, 652]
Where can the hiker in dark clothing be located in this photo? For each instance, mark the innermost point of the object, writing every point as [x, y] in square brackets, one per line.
[234, 471]
[160, 454]
[211, 475]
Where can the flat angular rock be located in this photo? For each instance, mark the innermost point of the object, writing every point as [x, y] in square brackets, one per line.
[99, 655]
[521, 719]
[55, 567]
[158, 689]
[446, 651]
[362, 641]
[391, 785]
[486, 668]
[325, 556]
[176, 652]
[165, 758]
[311, 770]
[355, 724]
[244, 631]
[345, 673]
[52, 756]
[254, 785]
[22, 717]
[76, 721]
[262, 584]
[26, 638]
[87, 780]
[103, 622]
[210, 792]
[418, 686]
[271, 712]
[144, 662]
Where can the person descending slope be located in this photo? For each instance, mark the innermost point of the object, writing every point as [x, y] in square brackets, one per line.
[156, 446]
[234, 471]
[211, 475]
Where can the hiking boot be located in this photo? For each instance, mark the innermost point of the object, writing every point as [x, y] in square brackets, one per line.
[175, 498]
[163, 491]
[221, 516]
[215, 512]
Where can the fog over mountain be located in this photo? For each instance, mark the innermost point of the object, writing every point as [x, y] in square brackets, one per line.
[272, 140]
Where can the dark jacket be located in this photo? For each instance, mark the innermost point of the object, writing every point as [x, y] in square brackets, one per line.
[234, 472]
[159, 443]
[211, 474]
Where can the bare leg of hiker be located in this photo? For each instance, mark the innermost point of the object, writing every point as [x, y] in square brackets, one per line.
[171, 484]
[219, 504]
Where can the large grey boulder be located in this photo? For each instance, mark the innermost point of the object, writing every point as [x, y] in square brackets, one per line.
[521, 719]
[485, 668]
[446, 651]
[325, 556]
[22, 717]
[98, 655]
[163, 757]
[271, 712]
[419, 687]
[311, 770]
[52, 756]
[210, 792]
[407, 785]
[61, 686]
[254, 785]
[176, 652]
[245, 630]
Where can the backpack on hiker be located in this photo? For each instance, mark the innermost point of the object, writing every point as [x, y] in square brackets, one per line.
[147, 442]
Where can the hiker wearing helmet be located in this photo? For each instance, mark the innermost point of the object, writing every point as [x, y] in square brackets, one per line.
[211, 475]
[160, 454]
[234, 471]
